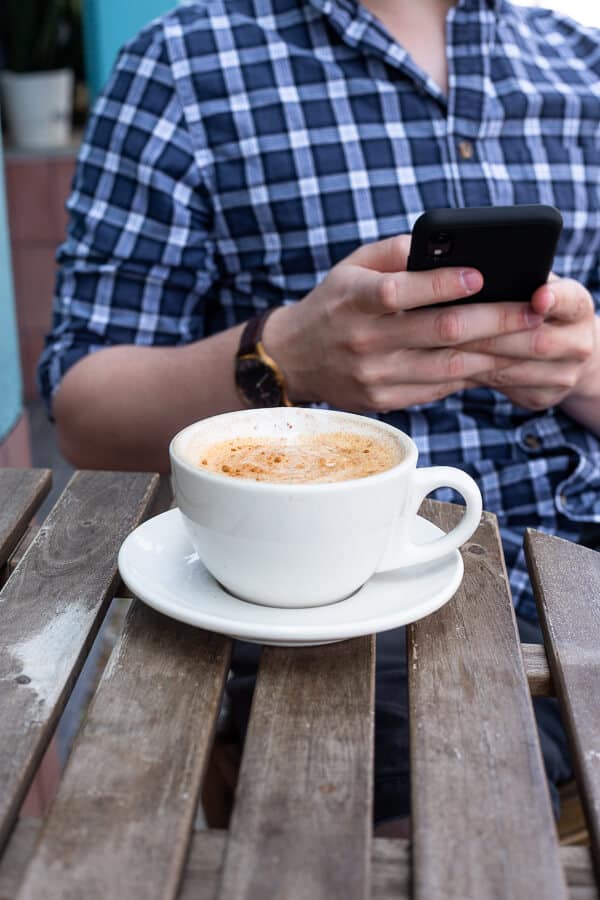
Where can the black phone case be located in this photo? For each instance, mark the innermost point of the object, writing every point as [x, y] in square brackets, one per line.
[512, 246]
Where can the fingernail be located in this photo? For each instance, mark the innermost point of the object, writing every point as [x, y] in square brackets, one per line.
[533, 319]
[551, 299]
[471, 280]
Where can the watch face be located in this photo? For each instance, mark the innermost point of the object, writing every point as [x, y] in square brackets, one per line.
[257, 382]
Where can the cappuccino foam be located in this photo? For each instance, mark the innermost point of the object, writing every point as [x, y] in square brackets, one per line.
[304, 459]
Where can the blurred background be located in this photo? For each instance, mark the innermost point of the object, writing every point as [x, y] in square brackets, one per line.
[55, 55]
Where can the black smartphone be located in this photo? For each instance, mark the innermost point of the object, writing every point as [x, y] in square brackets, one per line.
[512, 246]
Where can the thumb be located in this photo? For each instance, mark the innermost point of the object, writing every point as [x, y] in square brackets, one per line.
[389, 255]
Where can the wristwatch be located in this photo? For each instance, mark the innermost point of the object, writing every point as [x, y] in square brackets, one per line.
[259, 380]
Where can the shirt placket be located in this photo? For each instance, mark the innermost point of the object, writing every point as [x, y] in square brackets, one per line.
[472, 106]
[461, 121]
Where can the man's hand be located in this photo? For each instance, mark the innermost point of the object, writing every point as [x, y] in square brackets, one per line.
[364, 339]
[557, 362]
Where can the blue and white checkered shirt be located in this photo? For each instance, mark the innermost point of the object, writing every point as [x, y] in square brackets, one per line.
[243, 147]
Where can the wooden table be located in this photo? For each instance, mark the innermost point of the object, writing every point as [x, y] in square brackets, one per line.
[122, 824]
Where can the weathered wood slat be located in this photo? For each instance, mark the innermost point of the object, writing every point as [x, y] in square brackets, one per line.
[50, 610]
[17, 855]
[21, 492]
[537, 670]
[577, 863]
[203, 866]
[122, 819]
[566, 581]
[390, 867]
[21, 549]
[301, 825]
[482, 819]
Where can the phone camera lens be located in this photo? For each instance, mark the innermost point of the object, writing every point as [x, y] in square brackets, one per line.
[439, 245]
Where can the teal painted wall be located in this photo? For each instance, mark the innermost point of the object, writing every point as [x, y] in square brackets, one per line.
[108, 24]
[11, 396]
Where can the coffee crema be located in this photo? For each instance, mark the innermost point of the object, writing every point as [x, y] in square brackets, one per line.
[303, 459]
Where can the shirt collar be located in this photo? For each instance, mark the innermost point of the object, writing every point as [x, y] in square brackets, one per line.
[353, 6]
[358, 27]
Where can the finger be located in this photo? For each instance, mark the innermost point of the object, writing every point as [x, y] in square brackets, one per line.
[397, 396]
[426, 367]
[389, 255]
[464, 324]
[381, 294]
[549, 377]
[550, 341]
[564, 299]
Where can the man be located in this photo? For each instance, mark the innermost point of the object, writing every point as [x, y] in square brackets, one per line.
[274, 156]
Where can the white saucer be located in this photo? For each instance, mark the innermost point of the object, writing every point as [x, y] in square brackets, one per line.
[158, 563]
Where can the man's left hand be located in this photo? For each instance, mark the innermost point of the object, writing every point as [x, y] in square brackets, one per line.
[558, 359]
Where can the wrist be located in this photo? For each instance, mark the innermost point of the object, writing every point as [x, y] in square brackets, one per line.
[281, 340]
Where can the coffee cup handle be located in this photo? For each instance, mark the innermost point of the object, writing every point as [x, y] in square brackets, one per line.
[424, 481]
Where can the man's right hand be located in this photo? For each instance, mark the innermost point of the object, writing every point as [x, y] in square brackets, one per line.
[365, 340]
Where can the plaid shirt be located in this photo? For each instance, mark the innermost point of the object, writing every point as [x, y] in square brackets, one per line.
[243, 147]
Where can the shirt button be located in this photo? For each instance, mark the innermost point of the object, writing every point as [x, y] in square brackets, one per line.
[465, 149]
[532, 442]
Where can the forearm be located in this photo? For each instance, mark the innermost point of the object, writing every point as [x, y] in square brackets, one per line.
[118, 408]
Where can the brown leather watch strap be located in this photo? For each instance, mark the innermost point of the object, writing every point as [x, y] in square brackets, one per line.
[258, 378]
[253, 331]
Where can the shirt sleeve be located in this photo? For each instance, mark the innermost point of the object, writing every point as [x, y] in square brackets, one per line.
[138, 261]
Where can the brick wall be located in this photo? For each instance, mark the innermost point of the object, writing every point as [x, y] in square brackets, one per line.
[37, 187]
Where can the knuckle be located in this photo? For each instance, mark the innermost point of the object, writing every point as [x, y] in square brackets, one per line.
[537, 404]
[387, 294]
[501, 377]
[440, 391]
[455, 365]
[438, 286]
[566, 380]
[358, 376]
[505, 320]
[365, 374]
[375, 398]
[357, 342]
[545, 401]
[449, 326]
[499, 363]
[487, 345]
[534, 400]
[542, 343]
[583, 349]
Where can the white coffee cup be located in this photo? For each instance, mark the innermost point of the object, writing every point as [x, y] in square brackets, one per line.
[308, 544]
